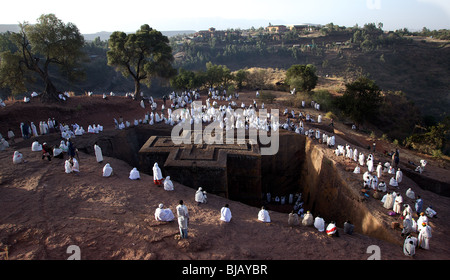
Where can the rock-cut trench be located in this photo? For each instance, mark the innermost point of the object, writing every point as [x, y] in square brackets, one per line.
[300, 166]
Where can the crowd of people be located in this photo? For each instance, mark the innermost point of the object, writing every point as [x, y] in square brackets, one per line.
[418, 233]
[374, 178]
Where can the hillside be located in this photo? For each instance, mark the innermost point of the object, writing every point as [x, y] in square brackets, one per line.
[45, 210]
[414, 65]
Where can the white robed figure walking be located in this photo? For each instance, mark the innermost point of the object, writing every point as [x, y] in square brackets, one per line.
[98, 153]
[157, 175]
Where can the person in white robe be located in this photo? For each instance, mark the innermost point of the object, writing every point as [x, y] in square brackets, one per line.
[263, 215]
[370, 165]
[107, 170]
[308, 219]
[332, 229]
[36, 147]
[18, 158]
[391, 170]
[63, 146]
[57, 152]
[399, 176]
[98, 153]
[393, 182]
[200, 196]
[357, 170]
[183, 219]
[3, 143]
[379, 170]
[361, 159]
[134, 174]
[75, 165]
[382, 186]
[319, 223]
[157, 175]
[11, 135]
[421, 167]
[367, 176]
[409, 247]
[68, 166]
[398, 204]
[355, 155]
[293, 219]
[422, 219]
[430, 212]
[425, 236]
[34, 130]
[163, 214]
[407, 210]
[386, 167]
[168, 184]
[225, 213]
[410, 194]
[79, 131]
[389, 201]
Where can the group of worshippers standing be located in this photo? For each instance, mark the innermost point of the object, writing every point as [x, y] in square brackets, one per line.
[393, 201]
[29, 129]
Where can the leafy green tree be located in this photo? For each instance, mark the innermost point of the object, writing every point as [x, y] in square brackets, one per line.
[142, 55]
[302, 77]
[361, 100]
[217, 75]
[40, 46]
[186, 80]
[240, 78]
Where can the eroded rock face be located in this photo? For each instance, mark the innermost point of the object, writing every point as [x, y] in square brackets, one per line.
[335, 194]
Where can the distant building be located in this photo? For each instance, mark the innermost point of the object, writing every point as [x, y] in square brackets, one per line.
[303, 27]
[276, 28]
[207, 34]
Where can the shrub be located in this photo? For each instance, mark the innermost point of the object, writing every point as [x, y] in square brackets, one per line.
[267, 97]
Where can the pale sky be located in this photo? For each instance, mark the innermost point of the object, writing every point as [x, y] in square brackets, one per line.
[94, 16]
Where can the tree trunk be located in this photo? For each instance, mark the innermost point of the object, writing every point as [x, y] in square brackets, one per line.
[50, 94]
[137, 89]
